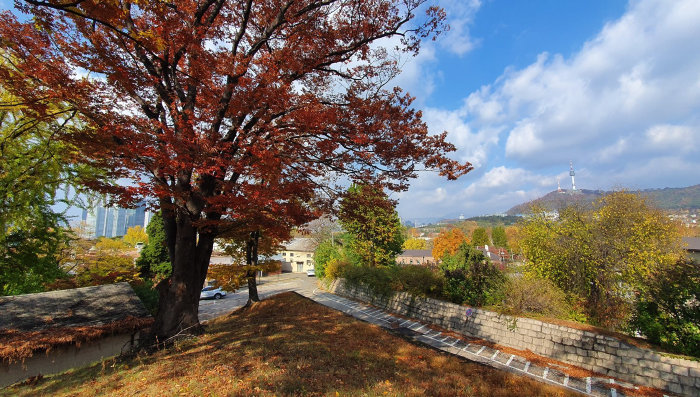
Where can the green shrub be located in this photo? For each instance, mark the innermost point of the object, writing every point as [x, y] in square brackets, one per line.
[471, 278]
[335, 268]
[154, 260]
[377, 279]
[146, 291]
[325, 252]
[417, 280]
[667, 311]
[535, 295]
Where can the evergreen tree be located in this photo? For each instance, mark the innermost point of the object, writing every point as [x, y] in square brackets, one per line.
[480, 237]
[154, 260]
[370, 218]
[498, 235]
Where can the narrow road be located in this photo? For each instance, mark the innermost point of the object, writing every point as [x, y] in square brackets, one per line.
[268, 286]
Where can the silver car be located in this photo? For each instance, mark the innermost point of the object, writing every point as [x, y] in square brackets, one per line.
[212, 293]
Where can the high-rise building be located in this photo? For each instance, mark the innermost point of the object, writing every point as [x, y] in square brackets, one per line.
[110, 221]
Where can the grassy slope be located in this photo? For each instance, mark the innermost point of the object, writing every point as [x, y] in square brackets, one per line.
[289, 345]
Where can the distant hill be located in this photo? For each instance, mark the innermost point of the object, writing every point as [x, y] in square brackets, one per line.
[675, 198]
[667, 198]
[495, 220]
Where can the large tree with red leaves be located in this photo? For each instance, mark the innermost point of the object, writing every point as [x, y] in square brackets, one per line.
[215, 108]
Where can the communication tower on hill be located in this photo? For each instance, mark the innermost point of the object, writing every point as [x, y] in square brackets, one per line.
[572, 173]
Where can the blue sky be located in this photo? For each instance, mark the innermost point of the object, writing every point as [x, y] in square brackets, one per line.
[525, 87]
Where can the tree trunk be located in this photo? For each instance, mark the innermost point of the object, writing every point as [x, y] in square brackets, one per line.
[190, 252]
[252, 263]
[252, 288]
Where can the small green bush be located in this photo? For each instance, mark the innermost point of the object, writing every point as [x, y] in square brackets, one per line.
[335, 268]
[325, 252]
[536, 296]
[377, 279]
[417, 280]
[145, 290]
[471, 278]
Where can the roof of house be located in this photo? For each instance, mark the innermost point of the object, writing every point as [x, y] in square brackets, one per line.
[416, 253]
[691, 243]
[88, 306]
[493, 253]
[301, 244]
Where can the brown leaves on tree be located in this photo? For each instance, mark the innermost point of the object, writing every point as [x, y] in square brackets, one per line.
[217, 108]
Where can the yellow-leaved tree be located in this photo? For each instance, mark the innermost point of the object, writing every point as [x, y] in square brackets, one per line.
[415, 244]
[136, 234]
[602, 255]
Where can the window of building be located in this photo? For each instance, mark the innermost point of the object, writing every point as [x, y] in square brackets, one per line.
[291, 254]
[308, 255]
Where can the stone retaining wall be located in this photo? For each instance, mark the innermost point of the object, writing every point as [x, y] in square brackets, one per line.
[599, 353]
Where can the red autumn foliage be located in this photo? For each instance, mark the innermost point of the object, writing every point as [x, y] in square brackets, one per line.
[218, 108]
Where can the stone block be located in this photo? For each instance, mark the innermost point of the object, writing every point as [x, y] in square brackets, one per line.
[687, 380]
[675, 388]
[668, 377]
[658, 383]
[662, 367]
[680, 370]
[641, 379]
[691, 391]
[694, 373]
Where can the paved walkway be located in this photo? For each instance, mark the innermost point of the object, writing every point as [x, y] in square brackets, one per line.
[268, 286]
[420, 332]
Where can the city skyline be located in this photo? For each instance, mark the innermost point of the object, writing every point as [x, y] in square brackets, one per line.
[111, 221]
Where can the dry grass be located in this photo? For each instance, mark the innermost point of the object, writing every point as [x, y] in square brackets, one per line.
[289, 345]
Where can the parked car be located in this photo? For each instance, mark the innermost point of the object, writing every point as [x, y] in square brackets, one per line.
[311, 272]
[212, 293]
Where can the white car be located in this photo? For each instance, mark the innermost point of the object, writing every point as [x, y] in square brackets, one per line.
[311, 272]
[212, 293]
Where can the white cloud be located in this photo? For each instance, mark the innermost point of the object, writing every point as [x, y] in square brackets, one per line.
[640, 70]
[473, 146]
[625, 109]
[682, 138]
[460, 14]
[637, 81]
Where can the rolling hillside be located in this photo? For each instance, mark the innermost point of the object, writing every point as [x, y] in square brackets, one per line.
[667, 198]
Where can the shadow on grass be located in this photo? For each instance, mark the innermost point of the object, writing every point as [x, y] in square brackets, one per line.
[289, 345]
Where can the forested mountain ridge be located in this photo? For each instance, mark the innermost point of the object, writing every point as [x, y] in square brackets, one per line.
[666, 198]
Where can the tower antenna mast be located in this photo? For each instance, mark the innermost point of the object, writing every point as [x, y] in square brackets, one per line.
[572, 173]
